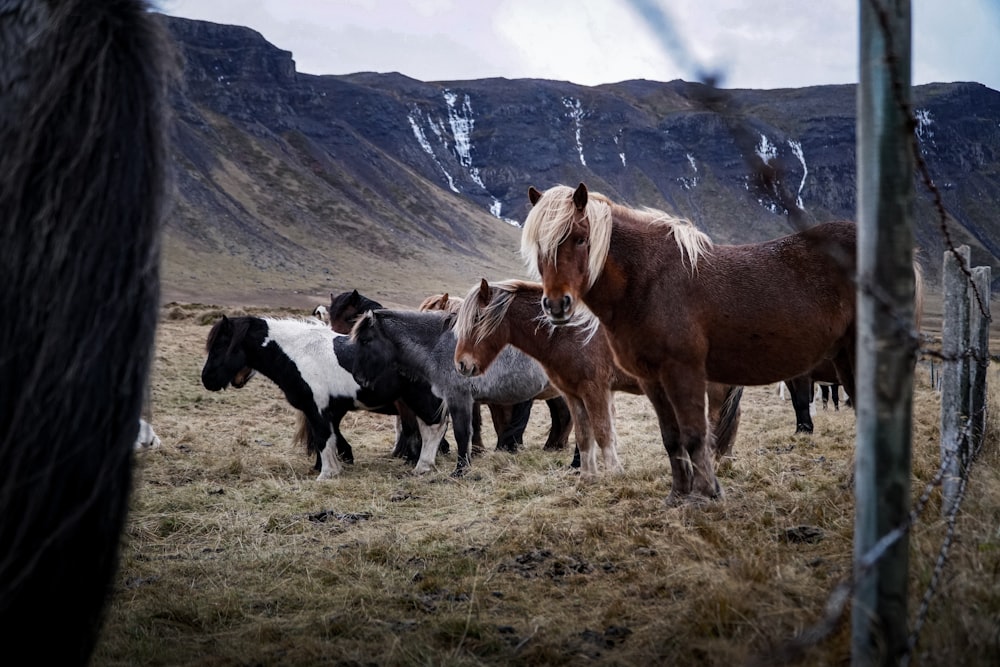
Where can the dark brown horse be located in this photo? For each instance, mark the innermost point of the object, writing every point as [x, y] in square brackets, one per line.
[84, 163]
[681, 311]
[578, 361]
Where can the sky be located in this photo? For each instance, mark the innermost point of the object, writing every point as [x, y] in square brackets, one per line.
[745, 43]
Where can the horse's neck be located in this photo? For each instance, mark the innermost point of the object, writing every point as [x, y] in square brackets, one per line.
[633, 255]
[293, 344]
[526, 331]
[418, 339]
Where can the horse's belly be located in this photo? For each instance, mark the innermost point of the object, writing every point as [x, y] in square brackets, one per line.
[765, 364]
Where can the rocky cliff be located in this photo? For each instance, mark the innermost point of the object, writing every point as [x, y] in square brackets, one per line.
[293, 185]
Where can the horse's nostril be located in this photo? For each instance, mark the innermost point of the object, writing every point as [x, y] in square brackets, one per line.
[546, 304]
[565, 303]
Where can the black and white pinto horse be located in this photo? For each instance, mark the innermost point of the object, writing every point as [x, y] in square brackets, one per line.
[422, 346]
[83, 190]
[299, 356]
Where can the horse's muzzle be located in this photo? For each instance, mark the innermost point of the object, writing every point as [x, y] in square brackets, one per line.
[242, 377]
[558, 311]
[466, 370]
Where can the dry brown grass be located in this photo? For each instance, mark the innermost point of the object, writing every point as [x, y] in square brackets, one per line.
[235, 555]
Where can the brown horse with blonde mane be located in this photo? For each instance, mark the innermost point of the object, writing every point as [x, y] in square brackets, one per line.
[578, 361]
[681, 311]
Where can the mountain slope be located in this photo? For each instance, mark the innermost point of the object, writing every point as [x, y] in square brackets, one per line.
[291, 186]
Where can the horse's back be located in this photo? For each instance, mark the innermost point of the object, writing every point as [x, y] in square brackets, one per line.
[773, 310]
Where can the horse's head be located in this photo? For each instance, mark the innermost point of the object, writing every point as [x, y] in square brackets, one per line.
[564, 244]
[322, 314]
[227, 361]
[441, 302]
[346, 307]
[480, 335]
[374, 354]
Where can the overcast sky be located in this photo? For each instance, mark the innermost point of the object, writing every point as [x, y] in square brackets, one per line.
[750, 43]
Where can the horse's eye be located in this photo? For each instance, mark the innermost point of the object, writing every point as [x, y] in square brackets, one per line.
[581, 241]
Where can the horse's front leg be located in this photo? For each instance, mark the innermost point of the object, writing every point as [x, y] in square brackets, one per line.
[430, 435]
[601, 411]
[586, 451]
[680, 463]
[685, 391]
[461, 423]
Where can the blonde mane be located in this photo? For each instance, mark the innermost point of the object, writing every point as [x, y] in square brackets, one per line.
[551, 219]
[478, 324]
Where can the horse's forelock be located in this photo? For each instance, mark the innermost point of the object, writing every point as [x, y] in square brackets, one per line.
[365, 321]
[550, 222]
[478, 327]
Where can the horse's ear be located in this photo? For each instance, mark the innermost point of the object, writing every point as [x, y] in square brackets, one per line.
[580, 197]
[355, 297]
[533, 195]
[444, 298]
[484, 293]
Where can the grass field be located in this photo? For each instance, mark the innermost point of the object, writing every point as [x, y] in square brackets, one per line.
[235, 555]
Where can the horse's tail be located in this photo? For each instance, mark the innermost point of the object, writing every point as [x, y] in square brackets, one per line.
[83, 191]
[301, 436]
[728, 421]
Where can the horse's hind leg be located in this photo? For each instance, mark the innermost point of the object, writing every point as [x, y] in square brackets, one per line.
[335, 412]
[326, 440]
[512, 435]
[800, 388]
[562, 424]
[844, 363]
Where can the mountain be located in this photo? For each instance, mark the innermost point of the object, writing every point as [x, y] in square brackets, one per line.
[291, 186]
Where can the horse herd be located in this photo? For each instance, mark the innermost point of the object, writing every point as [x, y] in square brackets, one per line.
[628, 300]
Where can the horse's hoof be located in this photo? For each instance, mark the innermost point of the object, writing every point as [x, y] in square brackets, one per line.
[422, 469]
[325, 476]
[693, 499]
[575, 463]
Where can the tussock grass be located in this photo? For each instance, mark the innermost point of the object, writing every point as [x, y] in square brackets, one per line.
[234, 554]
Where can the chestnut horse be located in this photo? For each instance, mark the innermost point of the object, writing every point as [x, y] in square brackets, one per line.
[578, 361]
[681, 311]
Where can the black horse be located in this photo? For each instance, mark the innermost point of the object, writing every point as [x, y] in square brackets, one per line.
[83, 190]
[509, 422]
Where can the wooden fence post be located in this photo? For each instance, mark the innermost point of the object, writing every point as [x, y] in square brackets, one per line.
[979, 342]
[886, 349]
[954, 374]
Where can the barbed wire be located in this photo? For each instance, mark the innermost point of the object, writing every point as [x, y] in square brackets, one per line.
[843, 592]
[900, 97]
